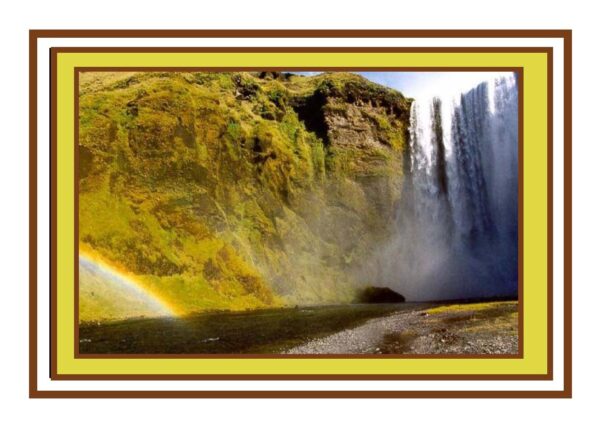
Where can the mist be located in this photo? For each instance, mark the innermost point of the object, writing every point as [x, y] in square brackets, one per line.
[455, 231]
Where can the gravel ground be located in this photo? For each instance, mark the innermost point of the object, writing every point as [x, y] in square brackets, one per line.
[363, 339]
[487, 328]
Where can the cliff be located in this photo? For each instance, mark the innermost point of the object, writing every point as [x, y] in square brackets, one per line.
[237, 190]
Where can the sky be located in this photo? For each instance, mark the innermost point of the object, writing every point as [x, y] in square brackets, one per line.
[425, 84]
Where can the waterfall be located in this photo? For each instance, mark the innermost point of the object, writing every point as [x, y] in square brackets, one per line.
[457, 220]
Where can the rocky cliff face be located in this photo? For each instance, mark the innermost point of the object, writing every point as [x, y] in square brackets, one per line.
[238, 190]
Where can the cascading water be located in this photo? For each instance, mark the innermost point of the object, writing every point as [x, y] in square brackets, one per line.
[457, 219]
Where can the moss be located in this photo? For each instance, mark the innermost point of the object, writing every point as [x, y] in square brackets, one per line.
[214, 191]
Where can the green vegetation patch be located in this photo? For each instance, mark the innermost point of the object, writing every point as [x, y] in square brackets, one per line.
[217, 192]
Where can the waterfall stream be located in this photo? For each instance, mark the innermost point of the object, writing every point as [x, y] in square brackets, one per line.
[457, 219]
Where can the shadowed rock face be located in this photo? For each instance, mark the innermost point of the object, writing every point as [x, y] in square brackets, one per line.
[239, 190]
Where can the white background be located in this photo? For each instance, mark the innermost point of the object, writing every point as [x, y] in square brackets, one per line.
[44, 383]
[287, 14]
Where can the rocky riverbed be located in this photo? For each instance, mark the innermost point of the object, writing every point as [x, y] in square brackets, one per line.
[479, 328]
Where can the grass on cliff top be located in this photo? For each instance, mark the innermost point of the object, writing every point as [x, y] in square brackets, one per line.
[340, 80]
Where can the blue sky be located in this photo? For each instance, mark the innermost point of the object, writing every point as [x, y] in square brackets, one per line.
[428, 83]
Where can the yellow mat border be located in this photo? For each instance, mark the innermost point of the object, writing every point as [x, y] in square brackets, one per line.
[535, 357]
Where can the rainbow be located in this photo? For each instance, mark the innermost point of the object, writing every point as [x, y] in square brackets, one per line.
[126, 283]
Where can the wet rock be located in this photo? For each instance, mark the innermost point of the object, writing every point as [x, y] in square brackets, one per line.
[375, 295]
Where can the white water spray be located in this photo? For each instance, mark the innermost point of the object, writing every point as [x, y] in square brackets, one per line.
[457, 220]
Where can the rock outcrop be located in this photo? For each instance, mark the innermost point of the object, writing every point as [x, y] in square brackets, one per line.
[239, 190]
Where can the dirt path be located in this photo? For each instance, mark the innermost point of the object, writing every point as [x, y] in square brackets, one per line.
[481, 328]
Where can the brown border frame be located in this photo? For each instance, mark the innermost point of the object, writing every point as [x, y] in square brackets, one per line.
[518, 70]
[519, 355]
[564, 34]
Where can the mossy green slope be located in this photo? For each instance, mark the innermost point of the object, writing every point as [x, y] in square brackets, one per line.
[238, 190]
